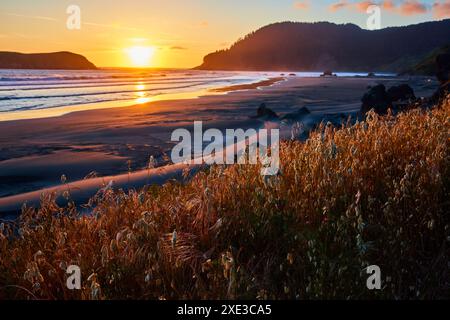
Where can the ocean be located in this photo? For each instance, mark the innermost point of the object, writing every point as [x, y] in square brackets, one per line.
[28, 94]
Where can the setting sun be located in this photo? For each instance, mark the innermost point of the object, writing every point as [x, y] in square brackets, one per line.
[140, 56]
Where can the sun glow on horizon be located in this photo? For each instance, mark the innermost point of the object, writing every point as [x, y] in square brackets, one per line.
[140, 56]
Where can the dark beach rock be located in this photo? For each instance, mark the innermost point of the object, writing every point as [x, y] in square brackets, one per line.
[266, 113]
[296, 116]
[398, 98]
[328, 73]
[443, 75]
[401, 92]
[443, 68]
[440, 95]
[371, 74]
[402, 97]
[303, 111]
[376, 98]
[292, 75]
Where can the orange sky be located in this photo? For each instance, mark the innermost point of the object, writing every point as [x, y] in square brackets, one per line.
[179, 32]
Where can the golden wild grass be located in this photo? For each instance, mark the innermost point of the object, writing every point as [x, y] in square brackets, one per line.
[376, 192]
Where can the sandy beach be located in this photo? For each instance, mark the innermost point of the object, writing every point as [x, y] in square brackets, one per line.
[185, 153]
[107, 142]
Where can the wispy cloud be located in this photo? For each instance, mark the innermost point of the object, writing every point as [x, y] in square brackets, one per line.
[301, 5]
[30, 16]
[404, 8]
[92, 24]
[389, 5]
[177, 48]
[25, 36]
[342, 4]
[412, 7]
[441, 9]
[360, 6]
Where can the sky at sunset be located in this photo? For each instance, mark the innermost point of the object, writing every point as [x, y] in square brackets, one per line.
[177, 33]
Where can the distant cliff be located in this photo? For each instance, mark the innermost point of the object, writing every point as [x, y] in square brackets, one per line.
[427, 66]
[323, 45]
[55, 60]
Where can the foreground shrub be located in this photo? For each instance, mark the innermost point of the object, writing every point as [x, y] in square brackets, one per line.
[373, 193]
